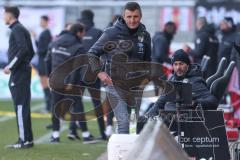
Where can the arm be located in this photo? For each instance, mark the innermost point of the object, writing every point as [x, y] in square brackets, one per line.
[208, 103]
[93, 56]
[160, 103]
[96, 51]
[21, 44]
[203, 95]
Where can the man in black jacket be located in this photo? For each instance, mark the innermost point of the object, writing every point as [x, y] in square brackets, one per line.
[161, 46]
[129, 37]
[206, 43]
[188, 73]
[228, 30]
[42, 43]
[161, 43]
[91, 36]
[66, 46]
[20, 53]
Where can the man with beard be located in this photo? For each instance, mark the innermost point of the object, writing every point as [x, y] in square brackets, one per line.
[184, 71]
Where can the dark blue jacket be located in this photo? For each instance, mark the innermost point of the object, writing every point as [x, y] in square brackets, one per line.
[119, 34]
[64, 47]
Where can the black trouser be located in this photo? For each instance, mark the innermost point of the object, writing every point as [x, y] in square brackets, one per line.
[97, 106]
[19, 85]
[77, 107]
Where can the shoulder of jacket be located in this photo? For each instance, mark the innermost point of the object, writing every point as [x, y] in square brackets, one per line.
[18, 27]
[110, 32]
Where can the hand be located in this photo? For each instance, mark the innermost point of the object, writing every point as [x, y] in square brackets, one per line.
[34, 35]
[104, 77]
[186, 48]
[6, 70]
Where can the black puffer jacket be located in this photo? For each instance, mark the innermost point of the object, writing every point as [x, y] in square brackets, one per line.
[64, 47]
[200, 92]
[118, 34]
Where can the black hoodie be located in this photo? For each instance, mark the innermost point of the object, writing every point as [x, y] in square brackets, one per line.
[119, 33]
[200, 92]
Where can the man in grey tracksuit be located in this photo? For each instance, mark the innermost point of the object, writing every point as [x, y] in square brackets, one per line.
[127, 36]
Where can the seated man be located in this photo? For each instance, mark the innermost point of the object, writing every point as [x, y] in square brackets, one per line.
[188, 73]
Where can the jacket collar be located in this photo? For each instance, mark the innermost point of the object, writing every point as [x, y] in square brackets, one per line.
[13, 24]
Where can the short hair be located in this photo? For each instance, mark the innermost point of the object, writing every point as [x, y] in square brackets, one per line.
[77, 27]
[170, 27]
[170, 24]
[12, 10]
[203, 20]
[132, 6]
[45, 18]
[87, 14]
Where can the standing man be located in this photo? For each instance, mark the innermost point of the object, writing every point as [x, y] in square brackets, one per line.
[228, 30]
[128, 30]
[206, 43]
[161, 46]
[91, 36]
[63, 48]
[161, 43]
[42, 43]
[20, 53]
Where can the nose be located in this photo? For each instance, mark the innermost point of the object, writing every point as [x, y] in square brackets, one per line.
[132, 19]
[177, 67]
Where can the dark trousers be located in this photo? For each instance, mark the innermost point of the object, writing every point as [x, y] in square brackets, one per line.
[97, 107]
[19, 85]
[77, 107]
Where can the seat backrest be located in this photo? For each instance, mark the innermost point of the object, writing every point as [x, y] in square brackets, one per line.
[204, 63]
[219, 73]
[219, 86]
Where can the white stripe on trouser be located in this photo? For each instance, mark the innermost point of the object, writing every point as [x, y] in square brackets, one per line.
[10, 65]
[20, 122]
